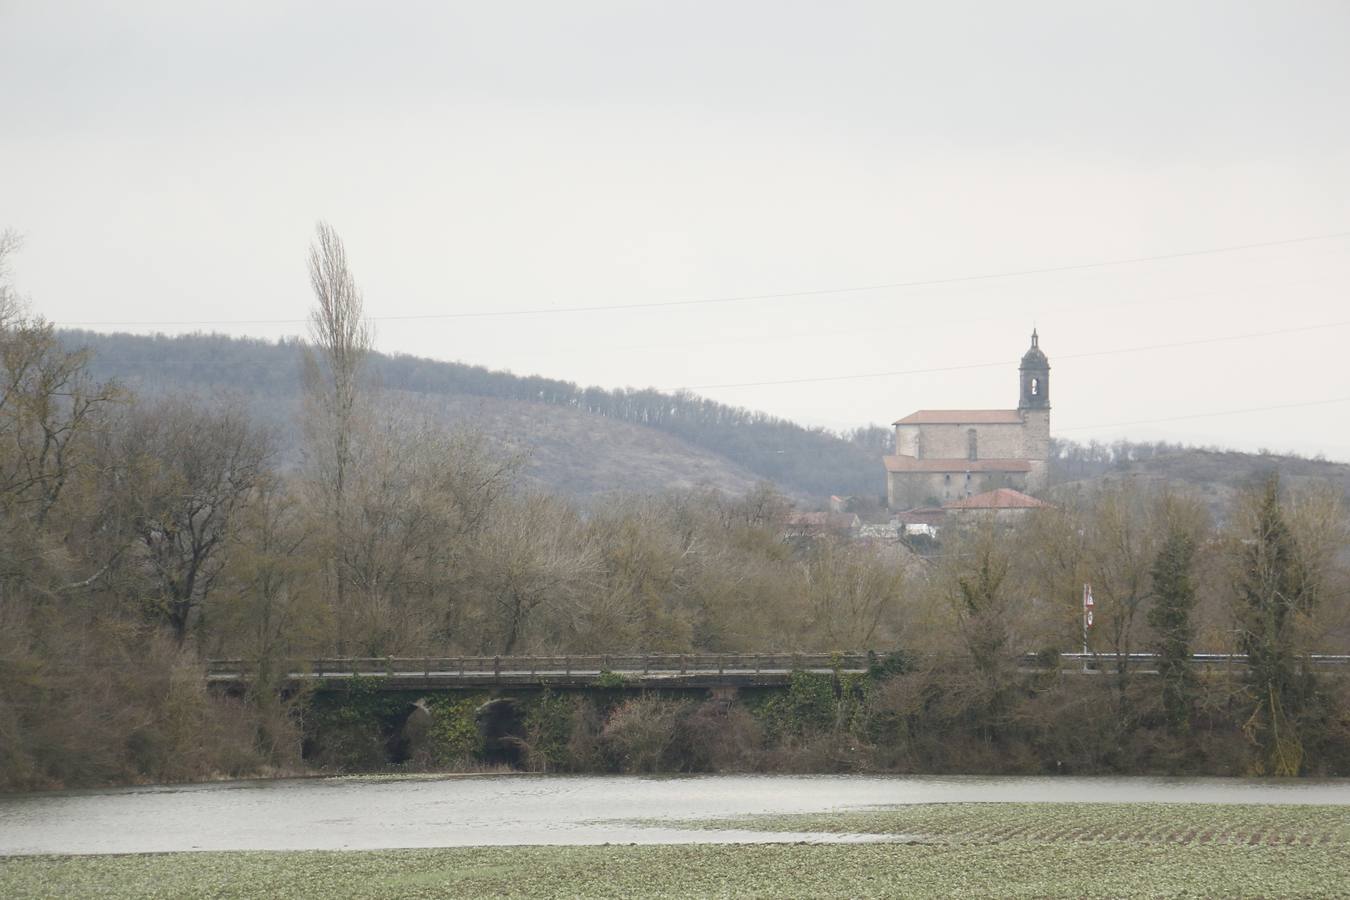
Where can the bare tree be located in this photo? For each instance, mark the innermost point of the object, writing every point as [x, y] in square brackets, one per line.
[978, 588]
[47, 401]
[194, 471]
[1122, 547]
[1053, 547]
[977, 577]
[10, 242]
[532, 566]
[52, 416]
[334, 382]
[851, 591]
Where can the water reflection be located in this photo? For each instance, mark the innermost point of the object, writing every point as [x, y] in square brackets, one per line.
[527, 809]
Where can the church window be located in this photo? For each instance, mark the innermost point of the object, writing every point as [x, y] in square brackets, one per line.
[972, 445]
[1035, 386]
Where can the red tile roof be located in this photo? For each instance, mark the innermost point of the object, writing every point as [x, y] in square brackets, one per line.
[910, 464]
[1003, 498]
[962, 417]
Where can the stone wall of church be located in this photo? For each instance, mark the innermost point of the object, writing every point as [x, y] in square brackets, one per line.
[906, 490]
[1038, 477]
[1037, 433]
[907, 441]
[1038, 447]
[953, 441]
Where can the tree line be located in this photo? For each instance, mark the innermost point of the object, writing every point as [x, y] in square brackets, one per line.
[142, 535]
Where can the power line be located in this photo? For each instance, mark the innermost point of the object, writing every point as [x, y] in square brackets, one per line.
[742, 298]
[1208, 415]
[1002, 363]
[1043, 313]
[206, 364]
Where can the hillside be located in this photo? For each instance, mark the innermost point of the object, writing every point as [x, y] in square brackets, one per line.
[1215, 475]
[586, 442]
[581, 454]
[577, 441]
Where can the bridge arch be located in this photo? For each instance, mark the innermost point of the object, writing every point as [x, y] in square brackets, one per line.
[501, 724]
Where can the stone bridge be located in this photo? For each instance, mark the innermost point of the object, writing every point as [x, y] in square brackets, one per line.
[649, 671]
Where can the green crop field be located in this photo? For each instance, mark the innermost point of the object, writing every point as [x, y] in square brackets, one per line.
[966, 850]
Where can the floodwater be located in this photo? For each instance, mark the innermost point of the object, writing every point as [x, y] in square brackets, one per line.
[376, 813]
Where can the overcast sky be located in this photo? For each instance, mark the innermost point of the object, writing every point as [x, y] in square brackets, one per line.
[167, 161]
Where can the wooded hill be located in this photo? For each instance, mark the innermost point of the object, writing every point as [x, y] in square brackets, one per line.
[578, 441]
[1214, 476]
[588, 441]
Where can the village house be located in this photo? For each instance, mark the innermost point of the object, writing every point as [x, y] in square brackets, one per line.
[1004, 504]
[811, 525]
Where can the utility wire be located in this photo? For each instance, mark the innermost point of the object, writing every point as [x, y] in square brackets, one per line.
[200, 364]
[742, 298]
[1002, 363]
[1208, 415]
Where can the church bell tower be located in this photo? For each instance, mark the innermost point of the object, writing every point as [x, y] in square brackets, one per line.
[1034, 407]
[1035, 377]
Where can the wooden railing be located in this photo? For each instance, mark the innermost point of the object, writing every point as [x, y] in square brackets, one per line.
[571, 665]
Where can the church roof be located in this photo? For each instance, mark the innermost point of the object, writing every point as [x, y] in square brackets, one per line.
[910, 464]
[1003, 498]
[962, 417]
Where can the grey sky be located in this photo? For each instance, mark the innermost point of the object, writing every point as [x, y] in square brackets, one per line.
[166, 162]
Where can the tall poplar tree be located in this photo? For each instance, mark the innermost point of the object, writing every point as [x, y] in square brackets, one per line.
[334, 376]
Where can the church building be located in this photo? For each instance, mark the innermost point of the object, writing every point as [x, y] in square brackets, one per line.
[942, 455]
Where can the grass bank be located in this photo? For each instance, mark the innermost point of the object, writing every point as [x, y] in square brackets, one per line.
[967, 850]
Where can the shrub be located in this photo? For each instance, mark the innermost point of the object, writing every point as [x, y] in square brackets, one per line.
[452, 737]
[641, 733]
[549, 722]
[608, 680]
[348, 730]
[720, 737]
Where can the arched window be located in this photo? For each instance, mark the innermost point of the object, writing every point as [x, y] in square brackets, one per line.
[972, 445]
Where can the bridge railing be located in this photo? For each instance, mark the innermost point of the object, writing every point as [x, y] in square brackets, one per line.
[1225, 661]
[673, 664]
[572, 664]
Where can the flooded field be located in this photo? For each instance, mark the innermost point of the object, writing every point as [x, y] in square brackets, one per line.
[383, 813]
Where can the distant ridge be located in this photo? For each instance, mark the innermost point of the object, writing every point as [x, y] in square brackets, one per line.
[590, 440]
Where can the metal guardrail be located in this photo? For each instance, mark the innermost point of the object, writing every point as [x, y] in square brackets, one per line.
[1203, 660]
[672, 666]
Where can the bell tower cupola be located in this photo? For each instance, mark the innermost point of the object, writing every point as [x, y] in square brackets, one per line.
[1035, 377]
